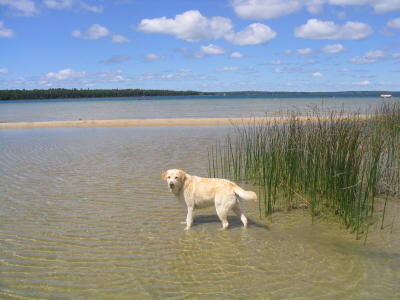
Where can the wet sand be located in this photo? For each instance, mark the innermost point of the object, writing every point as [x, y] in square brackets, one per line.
[173, 122]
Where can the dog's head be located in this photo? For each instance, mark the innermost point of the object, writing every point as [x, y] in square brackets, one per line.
[175, 179]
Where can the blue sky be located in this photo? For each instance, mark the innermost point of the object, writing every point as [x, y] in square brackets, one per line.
[204, 45]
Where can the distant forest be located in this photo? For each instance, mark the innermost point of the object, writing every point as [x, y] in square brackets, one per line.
[82, 93]
[113, 93]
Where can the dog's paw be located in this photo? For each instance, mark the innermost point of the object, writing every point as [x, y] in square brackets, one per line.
[187, 228]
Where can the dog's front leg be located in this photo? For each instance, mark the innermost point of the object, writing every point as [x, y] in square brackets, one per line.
[189, 218]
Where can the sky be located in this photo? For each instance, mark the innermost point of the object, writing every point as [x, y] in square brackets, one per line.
[202, 45]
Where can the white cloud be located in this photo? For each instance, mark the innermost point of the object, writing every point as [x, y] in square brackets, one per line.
[5, 32]
[69, 4]
[394, 23]
[369, 57]
[319, 30]
[212, 49]
[317, 74]
[65, 74]
[92, 8]
[227, 69]
[112, 76]
[359, 60]
[331, 49]
[119, 39]
[151, 56]
[254, 34]
[379, 6]
[21, 7]
[58, 4]
[269, 9]
[96, 31]
[3, 71]
[236, 55]
[375, 54]
[275, 62]
[304, 51]
[265, 9]
[192, 26]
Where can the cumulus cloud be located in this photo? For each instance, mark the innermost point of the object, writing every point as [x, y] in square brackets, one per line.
[112, 76]
[92, 8]
[379, 6]
[265, 9]
[320, 30]
[317, 74]
[65, 74]
[304, 51]
[394, 23]
[331, 49]
[5, 32]
[3, 71]
[96, 31]
[369, 57]
[236, 55]
[269, 9]
[192, 26]
[20, 7]
[58, 4]
[151, 57]
[254, 34]
[69, 4]
[212, 49]
[119, 39]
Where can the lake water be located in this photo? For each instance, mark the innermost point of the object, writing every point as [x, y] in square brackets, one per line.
[170, 107]
[84, 215]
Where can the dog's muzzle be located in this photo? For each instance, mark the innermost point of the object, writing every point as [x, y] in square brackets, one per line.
[171, 185]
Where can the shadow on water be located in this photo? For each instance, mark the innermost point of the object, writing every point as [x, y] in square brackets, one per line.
[234, 222]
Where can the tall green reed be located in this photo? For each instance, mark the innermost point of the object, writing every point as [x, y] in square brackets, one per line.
[332, 163]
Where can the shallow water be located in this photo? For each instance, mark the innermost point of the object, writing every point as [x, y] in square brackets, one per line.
[84, 215]
[170, 107]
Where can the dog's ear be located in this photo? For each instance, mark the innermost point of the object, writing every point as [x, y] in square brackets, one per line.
[182, 175]
[164, 175]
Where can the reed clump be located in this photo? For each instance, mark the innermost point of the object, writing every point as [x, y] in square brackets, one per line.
[331, 163]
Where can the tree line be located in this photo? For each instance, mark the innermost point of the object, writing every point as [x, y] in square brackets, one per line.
[88, 93]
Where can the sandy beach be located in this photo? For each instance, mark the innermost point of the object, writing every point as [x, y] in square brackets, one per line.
[173, 122]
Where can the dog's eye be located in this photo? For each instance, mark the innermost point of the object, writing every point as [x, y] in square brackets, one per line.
[169, 177]
[176, 177]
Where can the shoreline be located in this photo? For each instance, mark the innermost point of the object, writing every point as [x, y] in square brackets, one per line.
[173, 122]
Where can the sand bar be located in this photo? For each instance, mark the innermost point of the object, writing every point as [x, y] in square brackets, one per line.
[175, 122]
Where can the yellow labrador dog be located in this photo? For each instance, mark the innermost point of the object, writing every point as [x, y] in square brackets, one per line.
[198, 192]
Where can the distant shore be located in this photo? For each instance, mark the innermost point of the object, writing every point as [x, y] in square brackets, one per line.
[173, 122]
[53, 94]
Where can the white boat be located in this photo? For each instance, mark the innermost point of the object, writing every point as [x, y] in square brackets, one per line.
[386, 95]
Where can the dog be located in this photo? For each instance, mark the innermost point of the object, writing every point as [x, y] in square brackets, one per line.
[198, 192]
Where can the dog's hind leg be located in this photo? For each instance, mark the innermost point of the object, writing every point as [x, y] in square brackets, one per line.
[237, 210]
[223, 216]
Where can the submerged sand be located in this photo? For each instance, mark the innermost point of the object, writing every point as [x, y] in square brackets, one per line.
[173, 122]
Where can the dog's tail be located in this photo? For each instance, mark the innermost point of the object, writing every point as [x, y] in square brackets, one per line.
[246, 195]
